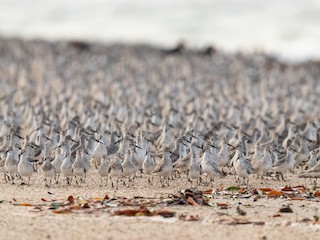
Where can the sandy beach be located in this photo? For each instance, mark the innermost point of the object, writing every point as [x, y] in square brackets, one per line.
[211, 221]
[96, 76]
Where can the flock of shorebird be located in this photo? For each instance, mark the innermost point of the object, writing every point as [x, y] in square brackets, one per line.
[125, 112]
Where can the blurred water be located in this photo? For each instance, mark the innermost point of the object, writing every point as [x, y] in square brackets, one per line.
[288, 28]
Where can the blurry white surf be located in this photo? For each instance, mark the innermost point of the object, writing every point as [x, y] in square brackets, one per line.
[287, 28]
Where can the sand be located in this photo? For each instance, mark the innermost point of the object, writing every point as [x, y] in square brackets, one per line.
[23, 222]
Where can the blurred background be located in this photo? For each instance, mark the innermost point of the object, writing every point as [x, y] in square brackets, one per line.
[289, 29]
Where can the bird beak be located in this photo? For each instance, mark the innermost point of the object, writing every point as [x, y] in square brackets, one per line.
[47, 138]
[98, 141]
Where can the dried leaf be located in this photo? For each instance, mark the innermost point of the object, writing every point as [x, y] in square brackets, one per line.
[316, 194]
[164, 213]
[208, 191]
[71, 199]
[25, 204]
[43, 200]
[86, 205]
[297, 198]
[264, 190]
[189, 218]
[242, 190]
[1, 201]
[274, 193]
[62, 211]
[287, 189]
[232, 189]
[132, 212]
[14, 199]
[222, 205]
[276, 215]
[74, 207]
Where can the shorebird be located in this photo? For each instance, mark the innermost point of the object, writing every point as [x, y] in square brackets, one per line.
[243, 169]
[66, 167]
[103, 169]
[113, 147]
[302, 153]
[129, 168]
[164, 168]
[57, 162]
[223, 155]
[48, 170]
[284, 164]
[25, 167]
[146, 111]
[2, 170]
[100, 150]
[257, 155]
[79, 168]
[148, 165]
[209, 164]
[182, 164]
[264, 165]
[115, 169]
[11, 164]
[312, 160]
[313, 172]
[194, 169]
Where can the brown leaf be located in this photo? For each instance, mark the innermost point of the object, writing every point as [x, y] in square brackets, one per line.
[274, 193]
[14, 199]
[316, 194]
[70, 199]
[86, 205]
[25, 204]
[62, 211]
[208, 191]
[297, 198]
[222, 205]
[74, 207]
[43, 200]
[164, 213]
[132, 212]
[287, 189]
[242, 190]
[189, 218]
[264, 190]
